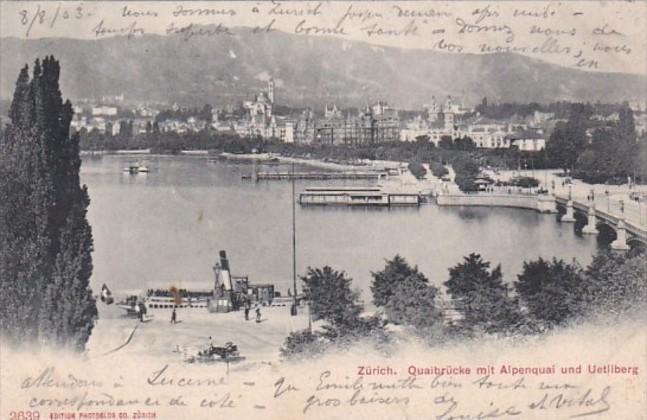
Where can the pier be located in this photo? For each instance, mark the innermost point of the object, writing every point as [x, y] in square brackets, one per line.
[355, 196]
[279, 176]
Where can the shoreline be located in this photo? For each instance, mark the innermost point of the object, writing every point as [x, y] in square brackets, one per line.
[366, 165]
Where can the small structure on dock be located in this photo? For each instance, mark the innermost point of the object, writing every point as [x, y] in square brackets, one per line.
[356, 196]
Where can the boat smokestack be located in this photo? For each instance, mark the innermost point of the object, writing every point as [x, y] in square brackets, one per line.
[224, 262]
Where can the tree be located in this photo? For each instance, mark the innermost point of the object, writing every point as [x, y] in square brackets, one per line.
[626, 124]
[467, 170]
[446, 143]
[45, 239]
[330, 296]
[417, 169]
[551, 291]
[483, 296]
[568, 139]
[614, 283]
[414, 303]
[464, 143]
[206, 114]
[384, 282]
[332, 300]
[438, 169]
[405, 295]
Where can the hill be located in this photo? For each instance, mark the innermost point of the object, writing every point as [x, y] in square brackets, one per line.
[309, 71]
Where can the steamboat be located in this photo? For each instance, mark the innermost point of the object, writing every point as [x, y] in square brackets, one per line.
[228, 293]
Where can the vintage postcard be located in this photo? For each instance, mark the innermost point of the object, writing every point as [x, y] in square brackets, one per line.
[323, 210]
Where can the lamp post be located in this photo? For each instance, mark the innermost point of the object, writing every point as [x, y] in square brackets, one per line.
[606, 192]
[622, 208]
[640, 210]
[293, 311]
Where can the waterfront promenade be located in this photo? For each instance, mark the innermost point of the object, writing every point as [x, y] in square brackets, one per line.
[621, 207]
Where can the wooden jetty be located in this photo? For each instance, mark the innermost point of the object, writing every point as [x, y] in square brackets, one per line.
[277, 176]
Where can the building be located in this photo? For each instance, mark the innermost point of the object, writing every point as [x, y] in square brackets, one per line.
[107, 111]
[530, 140]
[285, 131]
[304, 129]
[375, 124]
[261, 120]
[486, 133]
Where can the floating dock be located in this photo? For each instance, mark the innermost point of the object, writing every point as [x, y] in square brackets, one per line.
[277, 176]
[354, 196]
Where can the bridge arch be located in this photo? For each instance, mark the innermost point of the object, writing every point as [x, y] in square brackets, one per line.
[636, 241]
[606, 234]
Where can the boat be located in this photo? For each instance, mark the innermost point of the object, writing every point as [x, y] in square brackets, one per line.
[136, 168]
[228, 293]
[270, 161]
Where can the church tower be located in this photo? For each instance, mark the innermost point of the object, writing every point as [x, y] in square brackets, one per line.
[270, 90]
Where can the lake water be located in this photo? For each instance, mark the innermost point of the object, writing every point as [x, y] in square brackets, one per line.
[166, 228]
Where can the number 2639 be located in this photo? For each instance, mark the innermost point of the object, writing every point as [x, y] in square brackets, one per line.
[24, 415]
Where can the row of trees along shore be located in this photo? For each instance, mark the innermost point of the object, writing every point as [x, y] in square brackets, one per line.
[547, 294]
[45, 239]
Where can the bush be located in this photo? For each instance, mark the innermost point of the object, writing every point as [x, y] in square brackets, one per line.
[302, 343]
[525, 182]
[438, 169]
[417, 169]
[615, 283]
[550, 290]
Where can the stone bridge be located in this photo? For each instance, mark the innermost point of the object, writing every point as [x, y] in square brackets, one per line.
[627, 227]
[626, 219]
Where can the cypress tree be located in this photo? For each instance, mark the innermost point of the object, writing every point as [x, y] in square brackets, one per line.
[46, 241]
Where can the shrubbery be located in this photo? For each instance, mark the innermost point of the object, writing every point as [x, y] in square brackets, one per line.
[438, 169]
[525, 182]
[546, 294]
[417, 169]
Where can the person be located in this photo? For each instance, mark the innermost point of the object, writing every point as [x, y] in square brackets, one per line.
[142, 311]
[258, 314]
[173, 317]
[247, 308]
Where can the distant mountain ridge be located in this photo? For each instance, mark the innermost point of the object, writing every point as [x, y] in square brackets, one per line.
[309, 71]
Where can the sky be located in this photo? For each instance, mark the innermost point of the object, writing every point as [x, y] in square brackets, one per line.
[609, 36]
